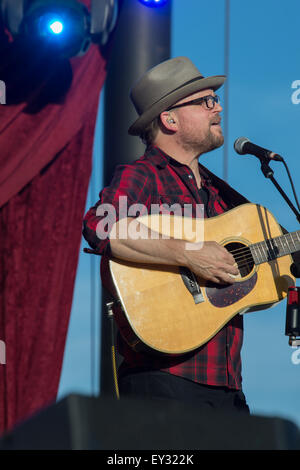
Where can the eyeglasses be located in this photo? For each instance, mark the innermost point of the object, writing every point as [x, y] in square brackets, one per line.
[209, 100]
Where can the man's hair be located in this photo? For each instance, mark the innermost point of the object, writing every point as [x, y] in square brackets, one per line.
[149, 134]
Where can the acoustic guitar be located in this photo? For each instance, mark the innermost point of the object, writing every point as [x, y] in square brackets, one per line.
[168, 309]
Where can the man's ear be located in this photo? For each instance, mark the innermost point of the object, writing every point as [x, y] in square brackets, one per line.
[168, 120]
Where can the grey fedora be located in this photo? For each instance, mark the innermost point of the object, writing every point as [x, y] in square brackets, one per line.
[164, 85]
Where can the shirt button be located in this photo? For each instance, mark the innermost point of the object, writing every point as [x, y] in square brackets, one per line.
[191, 177]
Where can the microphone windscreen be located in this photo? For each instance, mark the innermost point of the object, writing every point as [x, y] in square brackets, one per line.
[239, 144]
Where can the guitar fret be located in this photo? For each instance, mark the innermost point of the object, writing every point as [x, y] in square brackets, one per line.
[284, 245]
[296, 240]
[262, 253]
[265, 251]
[297, 234]
[282, 250]
[256, 254]
[273, 248]
[291, 236]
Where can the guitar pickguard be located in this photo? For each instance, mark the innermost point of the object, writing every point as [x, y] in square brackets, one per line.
[222, 296]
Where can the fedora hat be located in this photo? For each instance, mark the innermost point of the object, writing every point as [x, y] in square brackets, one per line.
[164, 85]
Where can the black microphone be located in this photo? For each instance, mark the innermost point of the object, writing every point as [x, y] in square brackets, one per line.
[243, 146]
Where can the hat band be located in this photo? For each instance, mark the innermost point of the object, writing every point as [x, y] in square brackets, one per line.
[178, 88]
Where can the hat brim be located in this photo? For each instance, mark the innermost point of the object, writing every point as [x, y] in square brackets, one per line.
[189, 88]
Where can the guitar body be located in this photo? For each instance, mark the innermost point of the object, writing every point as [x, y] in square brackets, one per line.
[158, 310]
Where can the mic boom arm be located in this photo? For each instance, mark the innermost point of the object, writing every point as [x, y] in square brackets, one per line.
[242, 144]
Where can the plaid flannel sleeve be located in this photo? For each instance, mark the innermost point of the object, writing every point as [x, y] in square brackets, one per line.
[126, 196]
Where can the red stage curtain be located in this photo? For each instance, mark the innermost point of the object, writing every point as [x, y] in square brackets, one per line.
[46, 141]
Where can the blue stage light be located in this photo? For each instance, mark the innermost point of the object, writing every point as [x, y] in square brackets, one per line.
[51, 27]
[153, 3]
[65, 27]
[60, 25]
[56, 27]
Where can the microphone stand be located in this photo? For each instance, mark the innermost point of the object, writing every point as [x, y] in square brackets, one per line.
[292, 326]
[268, 173]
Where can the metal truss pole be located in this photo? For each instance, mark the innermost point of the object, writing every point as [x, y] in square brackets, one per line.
[141, 40]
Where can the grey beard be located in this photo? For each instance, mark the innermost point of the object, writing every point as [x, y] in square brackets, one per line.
[211, 142]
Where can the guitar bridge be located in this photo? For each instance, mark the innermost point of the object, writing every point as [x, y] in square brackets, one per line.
[191, 283]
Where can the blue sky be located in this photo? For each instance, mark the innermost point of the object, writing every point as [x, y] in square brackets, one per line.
[264, 61]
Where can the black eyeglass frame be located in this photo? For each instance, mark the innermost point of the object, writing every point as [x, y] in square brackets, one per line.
[203, 99]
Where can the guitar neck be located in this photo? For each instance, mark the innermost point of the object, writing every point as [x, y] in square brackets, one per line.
[274, 248]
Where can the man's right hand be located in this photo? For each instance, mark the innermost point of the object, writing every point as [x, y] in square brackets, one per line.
[212, 262]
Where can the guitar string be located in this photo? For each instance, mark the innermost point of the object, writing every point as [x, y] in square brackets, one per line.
[247, 258]
[260, 245]
[247, 261]
[244, 254]
[244, 258]
[246, 251]
[247, 248]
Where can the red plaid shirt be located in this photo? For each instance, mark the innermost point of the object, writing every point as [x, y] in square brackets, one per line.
[156, 178]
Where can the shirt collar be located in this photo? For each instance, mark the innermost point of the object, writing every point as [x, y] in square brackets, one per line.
[158, 156]
[162, 159]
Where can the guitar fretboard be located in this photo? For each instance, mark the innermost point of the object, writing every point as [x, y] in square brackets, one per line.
[273, 248]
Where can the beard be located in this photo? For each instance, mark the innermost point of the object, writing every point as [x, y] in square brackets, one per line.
[202, 144]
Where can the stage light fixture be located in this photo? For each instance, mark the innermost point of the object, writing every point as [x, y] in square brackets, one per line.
[56, 26]
[61, 25]
[65, 26]
[153, 3]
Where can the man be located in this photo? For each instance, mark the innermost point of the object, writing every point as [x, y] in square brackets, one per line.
[179, 120]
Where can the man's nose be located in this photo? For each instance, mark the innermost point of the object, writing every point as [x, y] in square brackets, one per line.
[218, 108]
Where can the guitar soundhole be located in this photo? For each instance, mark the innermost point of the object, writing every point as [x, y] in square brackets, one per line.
[242, 256]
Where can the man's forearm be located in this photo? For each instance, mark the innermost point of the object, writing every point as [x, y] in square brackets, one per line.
[149, 247]
[212, 261]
